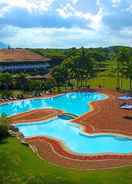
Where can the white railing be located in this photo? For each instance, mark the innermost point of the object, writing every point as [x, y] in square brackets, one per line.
[23, 66]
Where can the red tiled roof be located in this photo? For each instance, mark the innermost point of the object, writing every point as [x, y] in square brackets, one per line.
[13, 55]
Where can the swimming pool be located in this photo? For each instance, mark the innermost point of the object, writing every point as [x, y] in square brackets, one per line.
[62, 129]
[74, 139]
[76, 103]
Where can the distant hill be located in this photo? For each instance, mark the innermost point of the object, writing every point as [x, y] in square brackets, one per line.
[3, 45]
[99, 54]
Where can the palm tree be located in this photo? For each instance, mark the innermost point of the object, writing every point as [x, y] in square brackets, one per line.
[118, 72]
[59, 74]
[128, 69]
[86, 66]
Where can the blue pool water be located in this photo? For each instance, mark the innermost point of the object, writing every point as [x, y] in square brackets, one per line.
[76, 103]
[73, 138]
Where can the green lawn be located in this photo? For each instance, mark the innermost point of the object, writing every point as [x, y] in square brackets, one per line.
[105, 82]
[19, 165]
[108, 82]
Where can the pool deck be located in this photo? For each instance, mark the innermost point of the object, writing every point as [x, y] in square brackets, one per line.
[106, 117]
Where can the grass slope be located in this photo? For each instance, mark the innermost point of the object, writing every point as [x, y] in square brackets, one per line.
[19, 165]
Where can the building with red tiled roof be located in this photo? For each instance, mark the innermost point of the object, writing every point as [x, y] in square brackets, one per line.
[22, 60]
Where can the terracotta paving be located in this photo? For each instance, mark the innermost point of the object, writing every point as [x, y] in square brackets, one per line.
[35, 115]
[106, 117]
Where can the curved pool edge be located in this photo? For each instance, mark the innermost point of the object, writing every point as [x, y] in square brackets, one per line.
[47, 152]
[93, 108]
[60, 147]
[52, 151]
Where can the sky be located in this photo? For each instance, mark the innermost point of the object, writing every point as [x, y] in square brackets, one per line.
[65, 23]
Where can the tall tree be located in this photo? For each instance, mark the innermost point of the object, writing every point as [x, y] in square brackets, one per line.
[124, 66]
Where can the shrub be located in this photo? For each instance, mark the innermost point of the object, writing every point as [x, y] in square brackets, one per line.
[4, 127]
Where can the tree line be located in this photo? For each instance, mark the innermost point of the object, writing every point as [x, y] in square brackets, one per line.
[76, 67]
[83, 65]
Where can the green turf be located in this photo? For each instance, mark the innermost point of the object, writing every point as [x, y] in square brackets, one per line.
[19, 165]
[108, 82]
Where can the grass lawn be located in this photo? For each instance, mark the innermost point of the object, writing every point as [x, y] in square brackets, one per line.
[108, 82]
[19, 165]
[105, 82]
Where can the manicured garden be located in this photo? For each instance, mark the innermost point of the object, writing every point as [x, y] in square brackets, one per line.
[20, 165]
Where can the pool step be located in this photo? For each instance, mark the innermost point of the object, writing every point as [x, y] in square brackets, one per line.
[71, 115]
